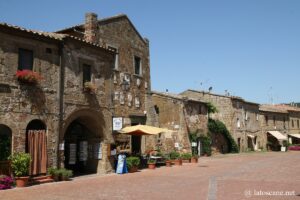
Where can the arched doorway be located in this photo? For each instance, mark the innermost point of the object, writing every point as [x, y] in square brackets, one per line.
[36, 146]
[5, 148]
[82, 146]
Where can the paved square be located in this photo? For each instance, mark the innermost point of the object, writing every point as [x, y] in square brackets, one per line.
[274, 175]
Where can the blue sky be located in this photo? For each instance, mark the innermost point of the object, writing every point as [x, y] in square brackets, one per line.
[249, 47]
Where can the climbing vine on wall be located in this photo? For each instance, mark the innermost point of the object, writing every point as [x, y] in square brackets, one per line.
[218, 127]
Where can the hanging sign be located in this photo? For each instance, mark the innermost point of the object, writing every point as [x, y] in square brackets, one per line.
[117, 123]
[72, 157]
[121, 167]
[194, 144]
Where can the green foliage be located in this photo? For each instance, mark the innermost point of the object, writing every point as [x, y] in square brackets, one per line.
[174, 155]
[151, 161]
[206, 144]
[20, 163]
[193, 137]
[63, 172]
[216, 126]
[51, 171]
[186, 156]
[211, 108]
[132, 161]
[5, 146]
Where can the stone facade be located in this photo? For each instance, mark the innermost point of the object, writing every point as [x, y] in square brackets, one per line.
[130, 86]
[183, 116]
[59, 99]
[239, 116]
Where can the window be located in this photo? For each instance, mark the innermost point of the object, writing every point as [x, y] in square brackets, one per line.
[156, 109]
[293, 123]
[116, 61]
[266, 119]
[87, 76]
[137, 65]
[238, 123]
[246, 115]
[274, 120]
[257, 116]
[25, 59]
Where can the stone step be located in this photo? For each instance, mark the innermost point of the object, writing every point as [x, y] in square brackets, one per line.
[40, 180]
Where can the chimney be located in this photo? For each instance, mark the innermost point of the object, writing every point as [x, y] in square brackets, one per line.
[90, 26]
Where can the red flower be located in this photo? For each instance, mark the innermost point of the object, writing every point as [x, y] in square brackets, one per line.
[28, 76]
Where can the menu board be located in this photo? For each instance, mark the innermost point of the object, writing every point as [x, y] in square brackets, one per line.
[83, 151]
[72, 155]
[98, 151]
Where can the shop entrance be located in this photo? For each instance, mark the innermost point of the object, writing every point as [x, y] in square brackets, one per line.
[82, 149]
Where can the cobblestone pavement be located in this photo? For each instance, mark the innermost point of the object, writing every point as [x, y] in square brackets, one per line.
[251, 176]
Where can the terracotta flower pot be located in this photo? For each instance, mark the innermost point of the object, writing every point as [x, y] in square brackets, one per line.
[133, 169]
[178, 162]
[22, 181]
[151, 166]
[168, 163]
[194, 160]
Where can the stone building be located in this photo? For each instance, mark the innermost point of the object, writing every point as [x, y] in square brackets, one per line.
[280, 123]
[239, 116]
[183, 116]
[131, 70]
[58, 117]
[274, 122]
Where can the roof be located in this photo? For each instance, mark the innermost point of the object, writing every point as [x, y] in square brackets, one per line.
[220, 95]
[50, 35]
[296, 135]
[272, 108]
[104, 21]
[278, 135]
[287, 107]
[177, 96]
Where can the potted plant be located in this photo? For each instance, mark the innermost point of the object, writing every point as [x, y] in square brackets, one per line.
[6, 182]
[20, 163]
[66, 174]
[168, 160]
[186, 157]
[175, 157]
[133, 163]
[28, 76]
[194, 159]
[151, 164]
[90, 87]
[51, 172]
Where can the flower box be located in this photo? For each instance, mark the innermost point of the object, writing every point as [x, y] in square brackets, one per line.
[90, 87]
[28, 76]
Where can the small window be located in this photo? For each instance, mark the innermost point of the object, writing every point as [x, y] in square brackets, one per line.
[25, 59]
[137, 66]
[274, 120]
[266, 120]
[238, 123]
[87, 76]
[156, 109]
[257, 116]
[246, 115]
[116, 61]
[293, 123]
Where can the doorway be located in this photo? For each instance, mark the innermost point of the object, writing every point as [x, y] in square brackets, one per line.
[5, 149]
[36, 146]
[82, 149]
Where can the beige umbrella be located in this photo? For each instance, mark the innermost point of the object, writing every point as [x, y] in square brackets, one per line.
[143, 130]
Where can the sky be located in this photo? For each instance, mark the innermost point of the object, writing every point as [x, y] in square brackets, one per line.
[251, 48]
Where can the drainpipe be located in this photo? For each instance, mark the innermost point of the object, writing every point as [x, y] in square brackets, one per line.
[60, 100]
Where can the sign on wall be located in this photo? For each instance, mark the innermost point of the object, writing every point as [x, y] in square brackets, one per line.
[117, 123]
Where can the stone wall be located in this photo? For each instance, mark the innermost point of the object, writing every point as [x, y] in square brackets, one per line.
[20, 102]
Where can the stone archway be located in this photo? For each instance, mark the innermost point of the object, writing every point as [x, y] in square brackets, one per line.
[5, 148]
[83, 136]
[36, 146]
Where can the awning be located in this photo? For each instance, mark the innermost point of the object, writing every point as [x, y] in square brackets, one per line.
[143, 130]
[251, 136]
[278, 135]
[296, 135]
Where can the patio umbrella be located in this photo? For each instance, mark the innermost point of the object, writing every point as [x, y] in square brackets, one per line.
[143, 130]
